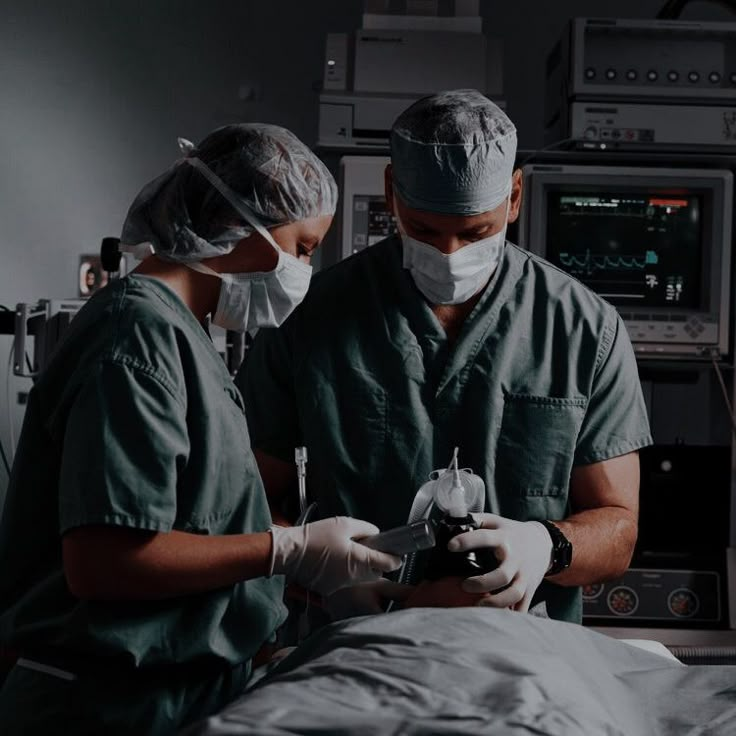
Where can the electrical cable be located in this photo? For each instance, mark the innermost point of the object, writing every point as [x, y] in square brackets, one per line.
[11, 425]
[5, 458]
[11, 429]
[557, 145]
[3, 308]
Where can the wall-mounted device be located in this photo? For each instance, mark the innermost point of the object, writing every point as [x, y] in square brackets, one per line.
[643, 84]
[653, 241]
[46, 321]
[96, 269]
[363, 93]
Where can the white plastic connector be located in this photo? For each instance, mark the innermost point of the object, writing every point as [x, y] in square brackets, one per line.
[458, 506]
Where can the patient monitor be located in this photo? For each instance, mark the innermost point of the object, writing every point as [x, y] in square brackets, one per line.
[364, 215]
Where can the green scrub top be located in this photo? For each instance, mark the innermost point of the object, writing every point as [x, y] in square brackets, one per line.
[135, 423]
[542, 377]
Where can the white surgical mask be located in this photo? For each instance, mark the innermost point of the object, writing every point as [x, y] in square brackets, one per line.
[255, 299]
[453, 278]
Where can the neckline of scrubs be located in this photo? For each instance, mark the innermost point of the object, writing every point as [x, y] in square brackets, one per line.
[476, 326]
[167, 295]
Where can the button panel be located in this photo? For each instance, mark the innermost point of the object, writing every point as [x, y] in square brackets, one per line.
[677, 596]
[671, 333]
[706, 78]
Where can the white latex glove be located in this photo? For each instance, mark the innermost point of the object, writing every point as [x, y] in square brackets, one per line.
[365, 599]
[323, 557]
[524, 549]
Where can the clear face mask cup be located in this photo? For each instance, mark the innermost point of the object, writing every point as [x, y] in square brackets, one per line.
[453, 493]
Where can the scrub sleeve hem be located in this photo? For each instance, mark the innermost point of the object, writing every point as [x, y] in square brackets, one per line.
[121, 520]
[612, 450]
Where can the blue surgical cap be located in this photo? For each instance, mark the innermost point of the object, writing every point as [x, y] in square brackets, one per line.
[453, 153]
[276, 176]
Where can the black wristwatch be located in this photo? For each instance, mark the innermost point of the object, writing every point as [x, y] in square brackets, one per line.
[561, 549]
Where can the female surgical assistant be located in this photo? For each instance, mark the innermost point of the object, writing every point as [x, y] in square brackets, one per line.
[141, 573]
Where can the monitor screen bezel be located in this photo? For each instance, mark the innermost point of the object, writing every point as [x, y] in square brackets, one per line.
[714, 185]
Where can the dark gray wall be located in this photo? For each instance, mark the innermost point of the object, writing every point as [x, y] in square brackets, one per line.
[95, 93]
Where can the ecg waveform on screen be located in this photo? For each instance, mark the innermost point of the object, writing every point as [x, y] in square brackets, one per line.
[590, 263]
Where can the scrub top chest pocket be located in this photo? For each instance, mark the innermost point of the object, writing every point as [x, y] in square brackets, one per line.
[536, 444]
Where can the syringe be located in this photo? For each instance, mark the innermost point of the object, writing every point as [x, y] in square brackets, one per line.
[300, 457]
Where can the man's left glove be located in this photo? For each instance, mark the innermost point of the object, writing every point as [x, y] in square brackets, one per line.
[524, 550]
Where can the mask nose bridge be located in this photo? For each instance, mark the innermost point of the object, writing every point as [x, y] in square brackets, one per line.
[449, 244]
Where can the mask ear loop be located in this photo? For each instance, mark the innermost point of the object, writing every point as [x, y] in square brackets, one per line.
[198, 266]
[508, 210]
[140, 251]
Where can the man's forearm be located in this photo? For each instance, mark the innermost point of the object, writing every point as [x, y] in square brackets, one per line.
[603, 542]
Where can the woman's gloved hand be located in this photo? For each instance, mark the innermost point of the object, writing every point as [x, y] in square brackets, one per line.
[365, 599]
[322, 556]
[524, 549]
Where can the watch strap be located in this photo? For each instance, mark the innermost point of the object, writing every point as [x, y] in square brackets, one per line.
[561, 548]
